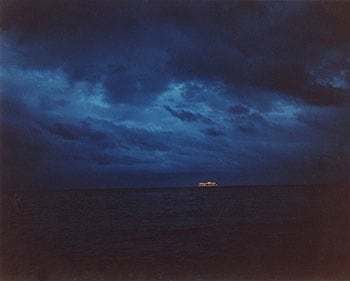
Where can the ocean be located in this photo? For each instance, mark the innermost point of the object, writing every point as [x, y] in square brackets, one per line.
[226, 233]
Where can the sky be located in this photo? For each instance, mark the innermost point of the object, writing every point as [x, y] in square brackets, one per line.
[170, 93]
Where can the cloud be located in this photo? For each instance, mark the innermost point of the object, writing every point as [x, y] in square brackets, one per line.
[154, 43]
[144, 139]
[74, 132]
[183, 115]
[238, 109]
[188, 116]
[166, 87]
[213, 132]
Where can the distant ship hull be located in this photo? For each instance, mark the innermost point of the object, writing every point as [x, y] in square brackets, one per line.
[207, 184]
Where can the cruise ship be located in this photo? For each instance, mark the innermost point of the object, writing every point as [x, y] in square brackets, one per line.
[207, 184]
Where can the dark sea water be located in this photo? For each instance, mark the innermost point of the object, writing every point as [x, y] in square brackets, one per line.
[237, 233]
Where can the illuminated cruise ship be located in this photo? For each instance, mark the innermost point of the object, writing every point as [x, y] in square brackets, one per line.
[207, 184]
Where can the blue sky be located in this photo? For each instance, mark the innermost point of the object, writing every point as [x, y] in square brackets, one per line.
[109, 94]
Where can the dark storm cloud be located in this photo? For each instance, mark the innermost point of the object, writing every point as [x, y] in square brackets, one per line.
[49, 151]
[238, 109]
[33, 141]
[102, 85]
[48, 103]
[12, 107]
[74, 132]
[247, 121]
[125, 86]
[213, 132]
[282, 66]
[237, 43]
[188, 116]
[257, 118]
[104, 159]
[23, 150]
[144, 139]
[251, 123]
[183, 115]
[124, 138]
[331, 124]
